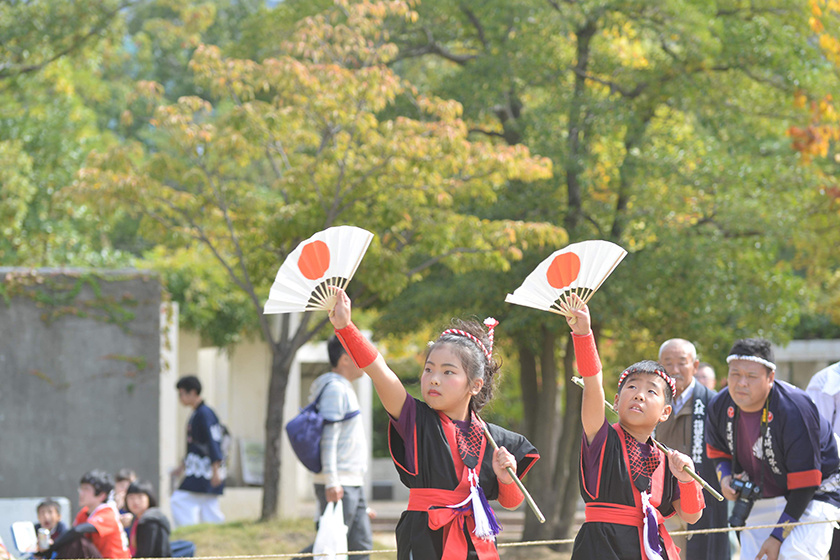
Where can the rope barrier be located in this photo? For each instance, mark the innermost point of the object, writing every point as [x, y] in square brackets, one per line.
[552, 542]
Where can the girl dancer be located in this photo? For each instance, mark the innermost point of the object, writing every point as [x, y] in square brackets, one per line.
[438, 446]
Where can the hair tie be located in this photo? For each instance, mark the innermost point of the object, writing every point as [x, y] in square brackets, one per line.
[491, 324]
[668, 379]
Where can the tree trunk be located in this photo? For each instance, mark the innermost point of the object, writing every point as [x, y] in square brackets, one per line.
[281, 364]
[282, 355]
[566, 472]
[542, 407]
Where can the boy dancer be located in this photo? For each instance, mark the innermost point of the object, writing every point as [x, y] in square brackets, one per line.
[627, 488]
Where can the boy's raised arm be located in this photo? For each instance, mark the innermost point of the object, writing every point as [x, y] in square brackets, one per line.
[388, 386]
[589, 367]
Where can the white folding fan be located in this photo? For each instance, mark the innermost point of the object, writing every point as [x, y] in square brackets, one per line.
[579, 268]
[328, 258]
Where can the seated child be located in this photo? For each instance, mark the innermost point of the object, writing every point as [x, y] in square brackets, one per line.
[49, 517]
[97, 531]
[439, 447]
[623, 479]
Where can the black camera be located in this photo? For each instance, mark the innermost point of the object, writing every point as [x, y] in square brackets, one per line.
[744, 503]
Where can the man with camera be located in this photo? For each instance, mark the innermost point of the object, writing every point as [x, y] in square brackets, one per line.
[775, 457]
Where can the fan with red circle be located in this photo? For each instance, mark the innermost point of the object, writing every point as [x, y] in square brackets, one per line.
[328, 258]
[579, 268]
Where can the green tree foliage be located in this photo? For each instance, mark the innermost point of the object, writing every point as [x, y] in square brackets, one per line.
[50, 54]
[665, 123]
[279, 149]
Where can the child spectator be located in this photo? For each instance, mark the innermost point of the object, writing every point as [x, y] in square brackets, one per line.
[122, 480]
[97, 531]
[438, 446]
[623, 480]
[149, 533]
[49, 517]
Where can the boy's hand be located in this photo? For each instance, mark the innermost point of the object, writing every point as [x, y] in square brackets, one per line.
[676, 461]
[582, 321]
[502, 459]
[340, 313]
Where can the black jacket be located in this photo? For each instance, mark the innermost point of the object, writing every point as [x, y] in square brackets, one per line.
[152, 535]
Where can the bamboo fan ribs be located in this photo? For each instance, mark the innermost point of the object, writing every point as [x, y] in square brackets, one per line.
[327, 259]
[579, 269]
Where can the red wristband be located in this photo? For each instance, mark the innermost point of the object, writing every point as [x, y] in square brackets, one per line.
[586, 354]
[358, 347]
[510, 496]
[691, 497]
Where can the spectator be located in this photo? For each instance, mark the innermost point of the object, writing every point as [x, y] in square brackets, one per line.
[122, 480]
[684, 431]
[706, 376]
[49, 517]
[824, 390]
[149, 533]
[197, 498]
[769, 433]
[344, 449]
[97, 531]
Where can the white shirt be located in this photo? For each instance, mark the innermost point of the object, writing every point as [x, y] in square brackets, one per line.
[684, 397]
[824, 390]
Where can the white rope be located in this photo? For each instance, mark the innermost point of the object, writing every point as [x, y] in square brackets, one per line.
[512, 544]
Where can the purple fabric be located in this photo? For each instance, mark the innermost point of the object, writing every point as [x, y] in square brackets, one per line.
[779, 532]
[591, 456]
[495, 527]
[653, 530]
[749, 431]
[405, 425]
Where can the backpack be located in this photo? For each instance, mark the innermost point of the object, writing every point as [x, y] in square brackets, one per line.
[305, 430]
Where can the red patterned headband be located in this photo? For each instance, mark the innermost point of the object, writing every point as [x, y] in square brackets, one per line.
[490, 323]
[661, 373]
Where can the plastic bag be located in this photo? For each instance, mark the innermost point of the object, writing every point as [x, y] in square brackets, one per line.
[331, 539]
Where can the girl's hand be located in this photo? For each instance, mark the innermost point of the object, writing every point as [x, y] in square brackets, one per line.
[502, 458]
[340, 313]
[677, 461]
[581, 322]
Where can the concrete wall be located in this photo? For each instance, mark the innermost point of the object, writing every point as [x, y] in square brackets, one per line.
[801, 359]
[80, 386]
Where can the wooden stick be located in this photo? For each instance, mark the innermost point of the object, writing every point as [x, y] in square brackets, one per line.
[528, 498]
[579, 382]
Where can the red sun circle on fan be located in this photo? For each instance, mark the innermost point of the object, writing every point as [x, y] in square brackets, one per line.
[314, 260]
[563, 270]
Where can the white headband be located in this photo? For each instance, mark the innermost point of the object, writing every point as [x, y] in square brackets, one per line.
[761, 361]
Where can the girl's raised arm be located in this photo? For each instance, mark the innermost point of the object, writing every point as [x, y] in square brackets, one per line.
[388, 386]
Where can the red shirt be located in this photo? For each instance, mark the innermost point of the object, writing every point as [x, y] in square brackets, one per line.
[109, 537]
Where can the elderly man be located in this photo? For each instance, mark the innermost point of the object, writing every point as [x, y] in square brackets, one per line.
[777, 455]
[684, 431]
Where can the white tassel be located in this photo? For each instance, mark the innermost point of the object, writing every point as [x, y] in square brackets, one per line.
[483, 527]
[648, 531]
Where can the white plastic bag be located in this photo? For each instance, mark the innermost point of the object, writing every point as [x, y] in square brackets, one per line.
[331, 539]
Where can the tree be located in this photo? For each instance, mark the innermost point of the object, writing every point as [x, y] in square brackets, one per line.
[311, 138]
[48, 83]
[662, 122]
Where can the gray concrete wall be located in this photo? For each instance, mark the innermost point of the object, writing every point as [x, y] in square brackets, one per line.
[80, 378]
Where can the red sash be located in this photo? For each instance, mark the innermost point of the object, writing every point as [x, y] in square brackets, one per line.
[624, 515]
[451, 520]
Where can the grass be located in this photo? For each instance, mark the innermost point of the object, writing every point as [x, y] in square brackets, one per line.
[288, 536]
[255, 538]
